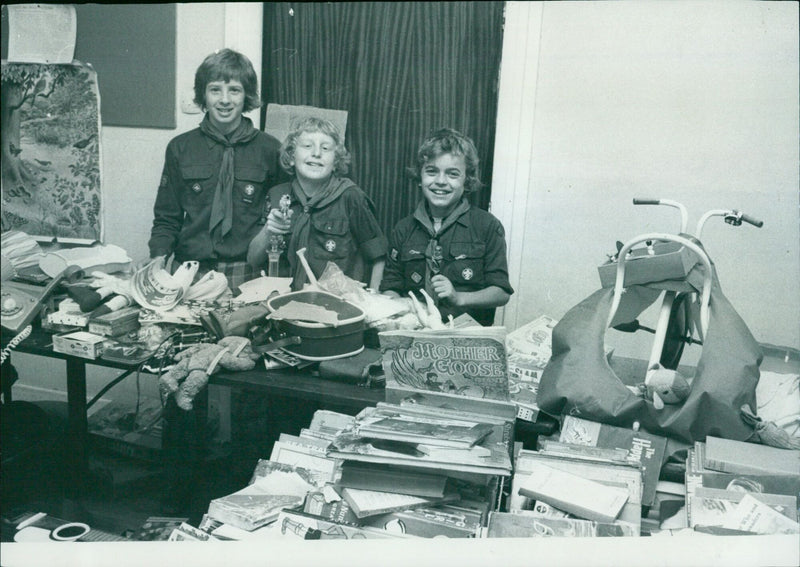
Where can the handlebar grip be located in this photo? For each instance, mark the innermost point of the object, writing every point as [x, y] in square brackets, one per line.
[753, 221]
[637, 201]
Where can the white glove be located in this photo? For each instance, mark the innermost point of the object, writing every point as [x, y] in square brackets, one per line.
[429, 316]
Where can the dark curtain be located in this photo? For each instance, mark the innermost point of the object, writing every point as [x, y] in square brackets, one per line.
[401, 70]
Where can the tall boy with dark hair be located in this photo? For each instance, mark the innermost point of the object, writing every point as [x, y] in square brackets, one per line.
[213, 188]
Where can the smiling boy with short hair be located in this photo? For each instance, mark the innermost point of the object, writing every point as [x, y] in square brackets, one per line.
[455, 251]
[328, 214]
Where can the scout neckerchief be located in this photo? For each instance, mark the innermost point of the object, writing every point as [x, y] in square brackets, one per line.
[301, 222]
[222, 205]
[433, 252]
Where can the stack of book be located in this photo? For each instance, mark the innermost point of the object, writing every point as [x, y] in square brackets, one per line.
[737, 487]
[425, 437]
[273, 487]
[346, 477]
[640, 448]
[575, 492]
[421, 470]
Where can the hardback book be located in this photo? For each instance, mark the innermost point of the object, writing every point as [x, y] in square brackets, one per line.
[372, 476]
[273, 487]
[728, 455]
[372, 502]
[443, 520]
[335, 510]
[585, 452]
[251, 507]
[298, 525]
[321, 467]
[480, 459]
[326, 424]
[644, 448]
[574, 494]
[466, 368]
[506, 524]
[699, 476]
[428, 431]
[489, 456]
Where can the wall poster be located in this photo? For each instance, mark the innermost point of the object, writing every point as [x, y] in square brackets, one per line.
[51, 182]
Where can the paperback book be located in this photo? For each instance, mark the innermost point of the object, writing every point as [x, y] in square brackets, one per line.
[450, 365]
[574, 494]
[714, 506]
[331, 508]
[505, 524]
[643, 448]
[306, 456]
[751, 515]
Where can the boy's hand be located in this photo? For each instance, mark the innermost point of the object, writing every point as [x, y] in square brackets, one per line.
[443, 288]
[277, 223]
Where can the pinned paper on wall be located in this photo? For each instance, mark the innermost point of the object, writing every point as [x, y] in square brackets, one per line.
[41, 33]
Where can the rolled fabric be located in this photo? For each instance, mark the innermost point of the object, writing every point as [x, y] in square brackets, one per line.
[89, 298]
[114, 304]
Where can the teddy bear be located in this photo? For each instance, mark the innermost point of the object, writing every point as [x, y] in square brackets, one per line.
[194, 365]
[665, 386]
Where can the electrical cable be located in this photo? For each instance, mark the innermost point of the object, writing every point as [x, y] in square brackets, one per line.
[12, 344]
[124, 375]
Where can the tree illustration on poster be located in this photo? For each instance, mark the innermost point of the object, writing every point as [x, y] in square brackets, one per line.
[51, 150]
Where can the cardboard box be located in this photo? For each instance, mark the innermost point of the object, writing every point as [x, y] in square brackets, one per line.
[670, 261]
[79, 343]
[115, 323]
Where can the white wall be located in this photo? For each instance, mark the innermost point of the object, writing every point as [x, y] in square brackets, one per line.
[692, 101]
[132, 158]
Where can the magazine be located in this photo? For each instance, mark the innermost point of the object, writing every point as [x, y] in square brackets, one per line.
[468, 362]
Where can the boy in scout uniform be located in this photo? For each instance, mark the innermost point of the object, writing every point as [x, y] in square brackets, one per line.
[211, 199]
[455, 251]
[321, 210]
